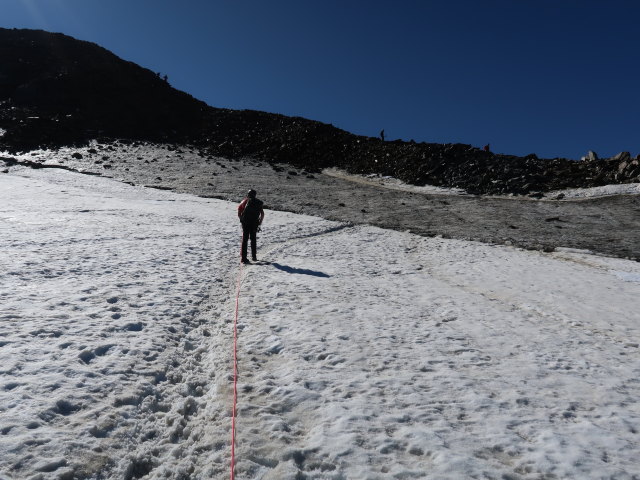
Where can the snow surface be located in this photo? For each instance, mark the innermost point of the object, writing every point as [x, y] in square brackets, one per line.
[395, 184]
[363, 353]
[391, 183]
[603, 191]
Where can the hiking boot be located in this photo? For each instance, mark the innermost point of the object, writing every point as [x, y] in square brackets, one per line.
[254, 258]
[246, 261]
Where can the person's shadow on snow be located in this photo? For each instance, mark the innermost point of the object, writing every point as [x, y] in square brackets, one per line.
[299, 271]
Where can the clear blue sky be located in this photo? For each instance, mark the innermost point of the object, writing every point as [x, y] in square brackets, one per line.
[554, 77]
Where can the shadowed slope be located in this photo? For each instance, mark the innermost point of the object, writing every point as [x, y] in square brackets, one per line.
[56, 91]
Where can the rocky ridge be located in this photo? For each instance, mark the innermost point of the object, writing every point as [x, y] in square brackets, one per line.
[57, 91]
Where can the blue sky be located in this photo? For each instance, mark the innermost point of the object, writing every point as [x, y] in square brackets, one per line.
[553, 77]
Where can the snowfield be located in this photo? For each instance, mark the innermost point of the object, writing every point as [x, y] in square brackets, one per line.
[363, 353]
[395, 184]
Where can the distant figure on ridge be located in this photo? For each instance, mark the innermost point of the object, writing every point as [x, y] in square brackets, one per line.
[251, 214]
[486, 147]
[382, 134]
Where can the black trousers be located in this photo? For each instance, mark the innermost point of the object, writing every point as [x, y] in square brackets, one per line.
[248, 232]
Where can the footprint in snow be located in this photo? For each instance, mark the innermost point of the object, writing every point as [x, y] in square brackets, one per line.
[135, 327]
[87, 355]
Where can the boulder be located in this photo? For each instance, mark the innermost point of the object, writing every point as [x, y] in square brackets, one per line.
[633, 169]
[622, 167]
[622, 157]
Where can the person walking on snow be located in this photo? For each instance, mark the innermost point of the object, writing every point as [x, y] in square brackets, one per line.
[251, 214]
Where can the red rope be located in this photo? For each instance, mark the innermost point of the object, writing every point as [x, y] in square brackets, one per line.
[235, 378]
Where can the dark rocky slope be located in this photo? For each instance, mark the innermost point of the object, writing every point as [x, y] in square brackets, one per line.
[55, 91]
